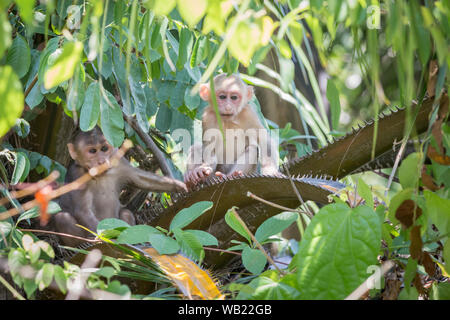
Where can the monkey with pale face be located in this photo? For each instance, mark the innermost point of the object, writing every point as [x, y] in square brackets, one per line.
[98, 199]
[246, 144]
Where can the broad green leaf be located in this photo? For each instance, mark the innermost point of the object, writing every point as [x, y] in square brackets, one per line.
[234, 224]
[192, 10]
[111, 119]
[136, 234]
[60, 278]
[163, 117]
[26, 10]
[339, 245]
[191, 101]
[11, 97]
[187, 215]
[106, 272]
[47, 248]
[245, 42]
[270, 286]
[22, 128]
[205, 238]
[21, 169]
[189, 244]
[19, 56]
[64, 66]
[438, 209]
[164, 244]
[5, 33]
[253, 259]
[409, 171]
[44, 276]
[138, 94]
[365, 192]
[335, 105]
[75, 98]
[90, 110]
[275, 225]
[35, 96]
[186, 43]
[440, 291]
[111, 223]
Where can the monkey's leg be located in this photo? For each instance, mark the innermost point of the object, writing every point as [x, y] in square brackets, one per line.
[127, 216]
[246, 162]
[66, 223]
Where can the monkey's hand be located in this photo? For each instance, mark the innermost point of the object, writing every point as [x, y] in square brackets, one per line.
[194, 176]
[179, 186]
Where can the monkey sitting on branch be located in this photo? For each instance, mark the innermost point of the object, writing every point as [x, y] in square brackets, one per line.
[98, 199]
[246, 144]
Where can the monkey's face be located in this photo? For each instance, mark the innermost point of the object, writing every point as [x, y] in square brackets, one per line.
[90, 155]
[229, 102]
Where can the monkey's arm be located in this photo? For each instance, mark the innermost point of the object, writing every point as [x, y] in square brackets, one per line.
[147, 180]
[82, 211]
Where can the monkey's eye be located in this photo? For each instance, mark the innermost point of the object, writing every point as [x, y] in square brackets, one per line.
[92, 150]
[234, 97]
[104, 148]
[222, 97]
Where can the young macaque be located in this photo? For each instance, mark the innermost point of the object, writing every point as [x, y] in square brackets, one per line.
[98, 199]
[246, 144]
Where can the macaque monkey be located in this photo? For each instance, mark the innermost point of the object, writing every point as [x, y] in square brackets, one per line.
[98, 199]
[247, 142]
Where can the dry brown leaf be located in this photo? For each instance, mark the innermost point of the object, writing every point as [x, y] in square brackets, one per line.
[415, 248]
[405, 213]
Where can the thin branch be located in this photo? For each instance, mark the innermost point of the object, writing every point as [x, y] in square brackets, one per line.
[14, 292]
[256, 241]
[251, 195]
[61, 235]
[151, 145]
[297, 192]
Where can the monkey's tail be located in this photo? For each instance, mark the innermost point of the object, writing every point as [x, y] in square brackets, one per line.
[189, 278]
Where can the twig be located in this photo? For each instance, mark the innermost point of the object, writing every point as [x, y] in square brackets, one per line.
[151, 145]
[30, 87]
[15, 293]
[297, 192]
[223, 251]
[364, 287]
[33, 188]
[394, 168]
[256, 241]
[61, 234]
[251, 195]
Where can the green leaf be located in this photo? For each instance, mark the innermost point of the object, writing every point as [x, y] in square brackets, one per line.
[253, 259]
[409, 171]
[53, 207]
[5, 34]
[21, 169]
[275, 225]
[270, 286]
[335, 105]
[186, 43]
[60, 278]
[111, 119]
[137, 234]
[192, 10]
[26, 10]
[106, 272]
[205, 238]
[245, 42]
[438, 211]
[164, 244]
[440, 291]
[365, 192]
[5, 229]
[44, 276]
[111, 223]
[163, 118]
[11, 97]
[287, 72]
[90, 110]
[160, 7]
[64, 66]
[185, 216]
[234, 224]
[19, 56]
[339, 245]
[189, 244]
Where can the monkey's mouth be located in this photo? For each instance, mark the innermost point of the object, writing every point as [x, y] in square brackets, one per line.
[227, 114]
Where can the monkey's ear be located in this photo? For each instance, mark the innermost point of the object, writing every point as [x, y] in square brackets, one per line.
[204, 92]
[72, 151]
[249, 93]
